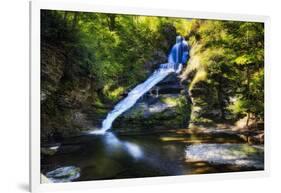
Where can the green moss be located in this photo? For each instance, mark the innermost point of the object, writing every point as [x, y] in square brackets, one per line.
[171, 101]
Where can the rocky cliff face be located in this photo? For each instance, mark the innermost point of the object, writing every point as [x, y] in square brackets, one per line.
[166, 106]
[52, 65]
[204, 97]
[69, 103]
[205, 108]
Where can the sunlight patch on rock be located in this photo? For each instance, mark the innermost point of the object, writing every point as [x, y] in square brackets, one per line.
[236, 154]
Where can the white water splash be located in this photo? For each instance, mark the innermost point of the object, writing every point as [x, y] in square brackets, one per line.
[125, 104]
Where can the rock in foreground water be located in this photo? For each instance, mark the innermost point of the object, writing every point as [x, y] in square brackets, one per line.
[236, 154]
[64, 174]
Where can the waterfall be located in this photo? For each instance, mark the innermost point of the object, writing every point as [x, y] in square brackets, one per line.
[175, 58]
[129, 101]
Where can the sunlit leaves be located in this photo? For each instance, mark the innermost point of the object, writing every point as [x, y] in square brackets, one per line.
[230, 55]
[244, 60]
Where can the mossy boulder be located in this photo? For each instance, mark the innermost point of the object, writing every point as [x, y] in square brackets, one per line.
[165, 106]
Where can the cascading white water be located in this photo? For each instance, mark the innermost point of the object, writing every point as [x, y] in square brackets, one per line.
[177, 56]
[125, 104]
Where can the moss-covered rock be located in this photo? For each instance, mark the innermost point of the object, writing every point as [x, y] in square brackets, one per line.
[158, 110]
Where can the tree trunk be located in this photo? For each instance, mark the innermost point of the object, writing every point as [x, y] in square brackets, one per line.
[221, 99]
[248, 120]
[75, 20]
[111, 22]
[248, 94]
[65, 16]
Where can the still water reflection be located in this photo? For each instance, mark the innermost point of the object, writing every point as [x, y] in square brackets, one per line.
[113, 143]
[100, 157]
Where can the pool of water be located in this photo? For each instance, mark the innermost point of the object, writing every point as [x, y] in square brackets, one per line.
[112, 156]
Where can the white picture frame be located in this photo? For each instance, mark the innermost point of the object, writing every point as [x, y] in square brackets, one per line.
[35, 7]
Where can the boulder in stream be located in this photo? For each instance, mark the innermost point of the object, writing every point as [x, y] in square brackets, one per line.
[242, 155]
[64, 174]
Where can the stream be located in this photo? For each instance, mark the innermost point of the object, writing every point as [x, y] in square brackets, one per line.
[170, 153]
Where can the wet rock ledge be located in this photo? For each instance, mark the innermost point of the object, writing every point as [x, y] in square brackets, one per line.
[165, 106]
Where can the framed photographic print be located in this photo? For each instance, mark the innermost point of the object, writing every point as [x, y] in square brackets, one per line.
[127, 95]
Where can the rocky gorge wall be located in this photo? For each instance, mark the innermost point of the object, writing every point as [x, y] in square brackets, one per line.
[69, 97]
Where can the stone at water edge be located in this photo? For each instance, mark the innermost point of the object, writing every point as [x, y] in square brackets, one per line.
[44, 179]
[64, 174]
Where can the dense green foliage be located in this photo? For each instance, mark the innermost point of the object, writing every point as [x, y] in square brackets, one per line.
[90, 60]
[229, 57]
[119, 51]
